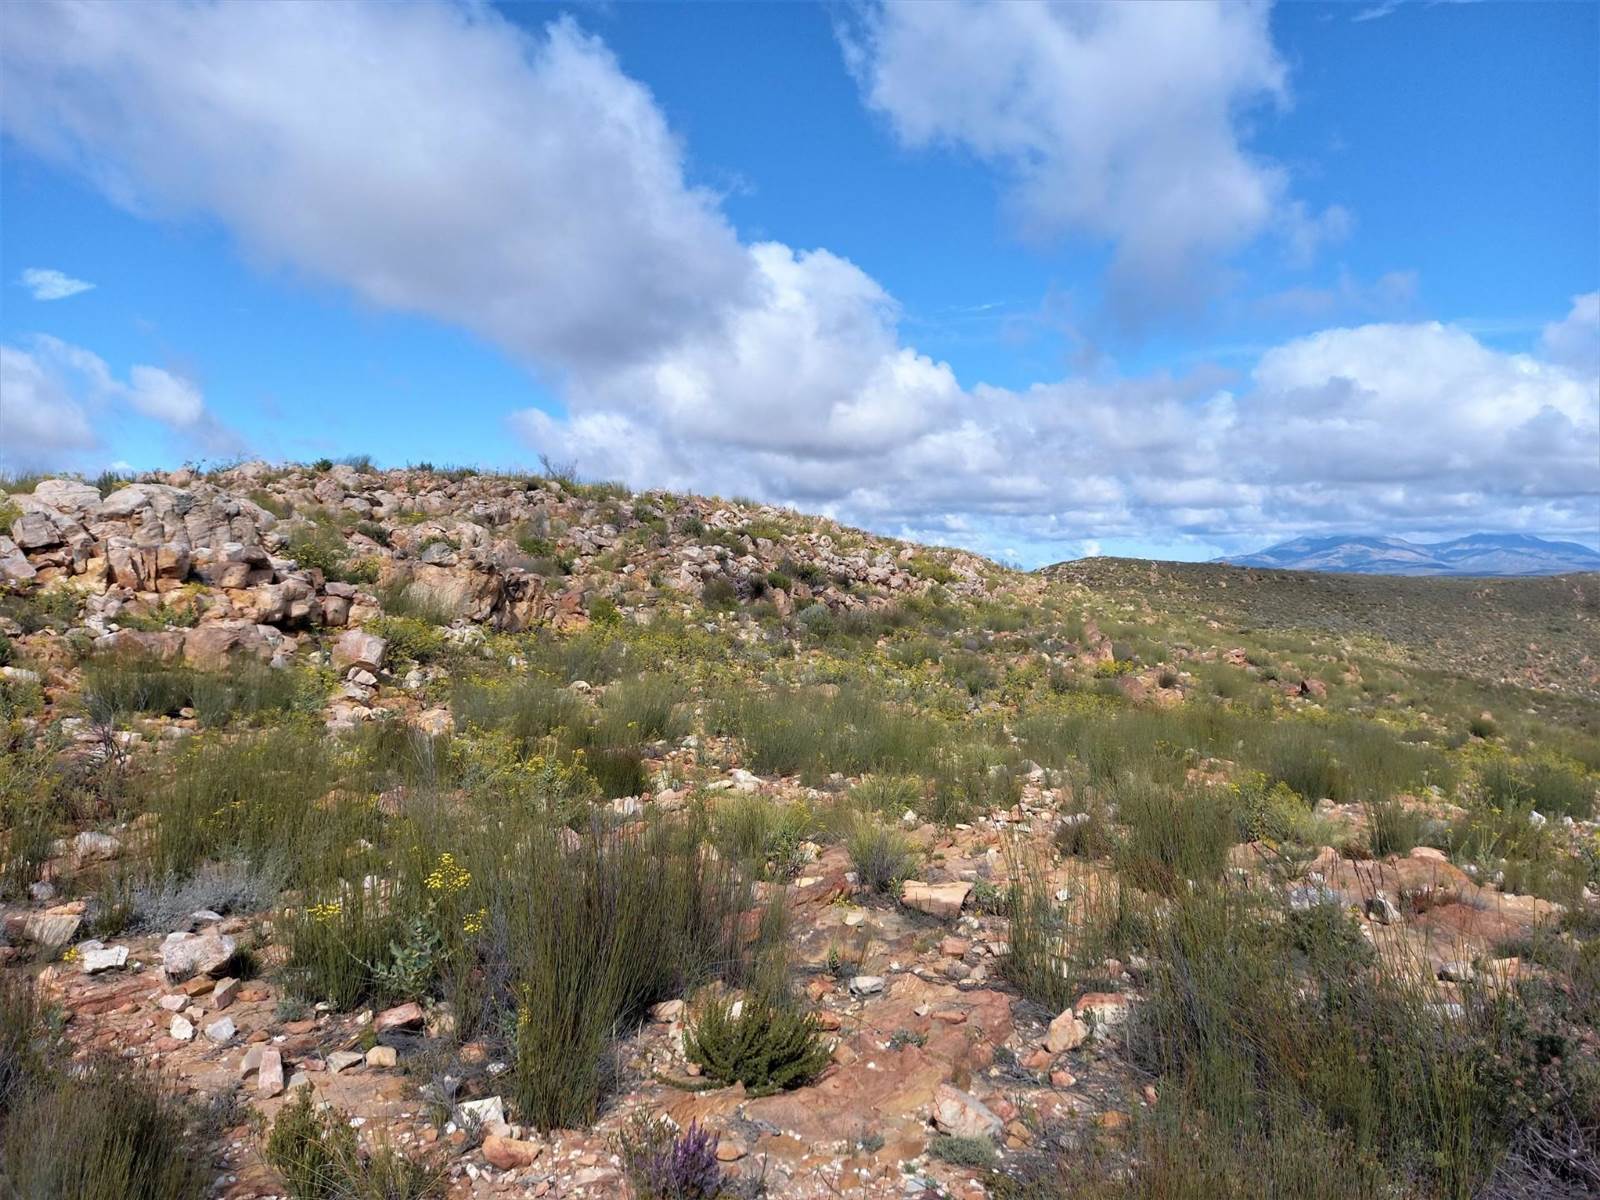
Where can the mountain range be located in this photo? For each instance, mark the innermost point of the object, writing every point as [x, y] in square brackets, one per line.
[1475, 554]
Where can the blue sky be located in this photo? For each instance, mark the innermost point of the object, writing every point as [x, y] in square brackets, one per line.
[1040, 280]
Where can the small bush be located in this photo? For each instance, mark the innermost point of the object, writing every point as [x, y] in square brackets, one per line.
[602, 931]
[664, 1165]
[719, 594]
[962, 1151]
[1174, 836]
[106, 1130]
[767, 1047]
[882, 856]
[319, 1157]
[411, 639]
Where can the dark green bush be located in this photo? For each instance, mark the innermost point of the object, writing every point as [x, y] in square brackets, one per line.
[106, 1129]
[767, 1047]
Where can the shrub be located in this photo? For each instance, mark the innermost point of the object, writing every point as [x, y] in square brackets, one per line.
[883, 857]
[319, 1157]
[118, 686]
[664, 1165]
[764, 836]
[1054, 948]
[1174, 836]
[29, 804]
[265, 798]
[108, 1129]
[1393, 828]
[403, 598]
[600, 932]
[23, 1039]
[889, 796]
[767, 1047]
[232, 886]
[411, 639]
[963, 1151]
[719, 594]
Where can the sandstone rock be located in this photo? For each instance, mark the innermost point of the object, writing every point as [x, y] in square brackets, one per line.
[224, 994]
[102, 958]
[221, 1032]
[67, 495]
[357, 648]
[510, 1154]
[210, 647]
[89, 846]
[936, 899]
[181, 1029]
[962, 1115]
[381, 1057]
[866, 985]
[343, 1060]
[403, 1016]
[51, 928]
[269, 1077]
[491, 1111]
[1067, 1032]
[184, 955]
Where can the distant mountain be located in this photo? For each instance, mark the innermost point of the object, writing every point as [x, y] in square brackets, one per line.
[1475, 554]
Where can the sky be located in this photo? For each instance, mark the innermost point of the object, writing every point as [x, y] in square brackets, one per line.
[1169, 280]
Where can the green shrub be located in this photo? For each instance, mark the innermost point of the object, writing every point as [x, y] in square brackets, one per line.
[767, 1047]
[265, 798]
[411, 639]
[963, 1151]
[23, 1041]
[883, 857]
[764, 836]
[1173, 835]
[106, 1129]
[628, 918]
[118, 686]
[719, 594]
[319, 1156]
[403, 598]
[1054, 948]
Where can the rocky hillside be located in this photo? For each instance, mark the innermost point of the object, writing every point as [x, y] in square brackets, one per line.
[422, 835]
[270, 563]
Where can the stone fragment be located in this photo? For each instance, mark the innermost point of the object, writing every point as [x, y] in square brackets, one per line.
[490, 1111]
[402, 1016]
[866, 985]
[181, 1029]
[936, 899]
[95, 958]
[357, 648]
[52, 928]
[1067, 1032]
[224, 994]
[269, 1077]
[184, 955]
[343, 1060]
[383, 1056]
[963, 1115]
[221, 1032]
[510, 1154]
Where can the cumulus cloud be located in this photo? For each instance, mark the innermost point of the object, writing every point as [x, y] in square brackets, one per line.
[1575, 339]
[58, 399]
[47, 283]
[1117, 120]
[438, 159]
[433, 158]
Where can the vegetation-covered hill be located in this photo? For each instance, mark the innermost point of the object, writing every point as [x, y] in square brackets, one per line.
[577, 843]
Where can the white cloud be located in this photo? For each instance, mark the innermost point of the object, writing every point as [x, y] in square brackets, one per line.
[57, 399]
[440, 160]
[1118, 120]
[432, 158]
[1575, 340]
[38, 416]
[48, 284]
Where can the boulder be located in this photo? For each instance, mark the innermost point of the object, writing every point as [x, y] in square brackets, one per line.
[67, 495]
[963, 1115]
[357, 648]
[184, 955]
[402, 1016]
[1067, 1032]
[510, 1154]
[269, 1075]
[936, 899]
[210, 647]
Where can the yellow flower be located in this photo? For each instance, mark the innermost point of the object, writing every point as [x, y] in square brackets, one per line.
[323, 913]
[474, 922]
[447, 877]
